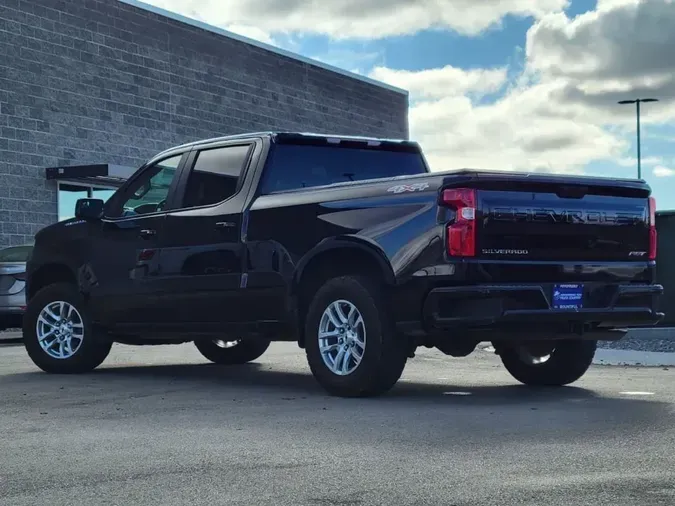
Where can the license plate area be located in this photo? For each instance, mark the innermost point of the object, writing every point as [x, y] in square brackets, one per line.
[568, 296]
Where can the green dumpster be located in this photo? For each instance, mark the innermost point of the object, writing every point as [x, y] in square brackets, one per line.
[665, 264]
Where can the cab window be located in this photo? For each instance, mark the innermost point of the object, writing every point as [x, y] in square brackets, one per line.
[149, 192]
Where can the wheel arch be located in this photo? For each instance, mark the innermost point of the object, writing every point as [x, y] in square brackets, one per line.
[354, 247]
[347, 255]
[49, 274]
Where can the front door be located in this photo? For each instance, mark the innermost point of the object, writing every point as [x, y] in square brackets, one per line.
[203, 254]
[125, 263]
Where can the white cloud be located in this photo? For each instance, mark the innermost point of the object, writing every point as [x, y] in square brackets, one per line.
[442, 82]
[523, 130]
[366, 19]
[562, 112]
[622, 50]
[661, 171]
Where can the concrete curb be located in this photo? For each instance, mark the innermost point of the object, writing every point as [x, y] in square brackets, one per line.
[661, 340]
[634, 358]
[647, 333]
[11, 337]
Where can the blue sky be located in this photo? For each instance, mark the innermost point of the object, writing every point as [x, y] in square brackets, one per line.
[498, 84]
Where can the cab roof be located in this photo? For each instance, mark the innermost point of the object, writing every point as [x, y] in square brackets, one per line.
[281, 137]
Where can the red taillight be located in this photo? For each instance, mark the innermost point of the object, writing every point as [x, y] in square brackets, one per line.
[21, 276]
[462, 232]
[652, 228]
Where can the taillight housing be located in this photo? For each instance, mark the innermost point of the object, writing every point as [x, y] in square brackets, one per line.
[462, 231]
[652, 228]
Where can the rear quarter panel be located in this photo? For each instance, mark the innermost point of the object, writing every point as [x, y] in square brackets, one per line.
[400, 220]
[395, 219]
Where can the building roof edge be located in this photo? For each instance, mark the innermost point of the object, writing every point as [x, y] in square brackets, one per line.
[262, 45]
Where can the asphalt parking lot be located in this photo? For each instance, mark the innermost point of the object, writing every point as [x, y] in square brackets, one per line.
[161, 426]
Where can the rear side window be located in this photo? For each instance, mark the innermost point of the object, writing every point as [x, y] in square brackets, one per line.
[301, 166]
[215, 176]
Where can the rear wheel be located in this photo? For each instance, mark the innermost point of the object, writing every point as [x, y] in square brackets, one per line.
[58, 333]
[549, 364]
[220, 351]
[351, 347]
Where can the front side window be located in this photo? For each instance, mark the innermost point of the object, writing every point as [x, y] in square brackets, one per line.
[149, 192]
[215, 176]
[102, 193]
[70, 193]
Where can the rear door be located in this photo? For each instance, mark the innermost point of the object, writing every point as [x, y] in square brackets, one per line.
[203, 254]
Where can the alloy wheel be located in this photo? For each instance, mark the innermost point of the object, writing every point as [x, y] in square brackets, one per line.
[342, 337]
[60, 330]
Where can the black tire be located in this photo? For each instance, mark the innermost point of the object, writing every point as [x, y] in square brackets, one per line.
[385, 354]
[91, 352]
[569, 361]
[241, 353]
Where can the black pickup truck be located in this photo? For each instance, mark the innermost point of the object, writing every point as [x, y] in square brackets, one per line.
[352, 248]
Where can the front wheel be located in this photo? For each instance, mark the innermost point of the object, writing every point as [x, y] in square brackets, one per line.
[351, 347]
[58, 334]
[549, 364]
[236, 352]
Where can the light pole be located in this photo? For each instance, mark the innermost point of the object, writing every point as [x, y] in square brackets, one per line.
[637, 103]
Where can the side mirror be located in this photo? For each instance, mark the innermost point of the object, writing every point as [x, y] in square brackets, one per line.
[89, 209]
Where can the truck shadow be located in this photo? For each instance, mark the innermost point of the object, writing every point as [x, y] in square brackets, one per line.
[202, 388]
[263, 379]
[486, 408]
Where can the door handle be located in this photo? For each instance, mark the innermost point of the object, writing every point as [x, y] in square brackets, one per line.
[146, 234]
[226, 224]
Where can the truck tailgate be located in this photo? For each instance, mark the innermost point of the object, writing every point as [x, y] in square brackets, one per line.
[554, 218]
[545, 226]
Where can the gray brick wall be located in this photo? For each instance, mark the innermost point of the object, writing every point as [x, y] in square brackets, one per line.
[89, 81]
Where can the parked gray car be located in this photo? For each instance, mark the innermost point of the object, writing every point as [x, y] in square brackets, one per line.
[13, 285]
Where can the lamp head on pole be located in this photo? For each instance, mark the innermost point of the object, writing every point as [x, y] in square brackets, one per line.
[634, 101]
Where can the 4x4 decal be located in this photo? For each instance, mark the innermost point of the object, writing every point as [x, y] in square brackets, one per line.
[402, 188]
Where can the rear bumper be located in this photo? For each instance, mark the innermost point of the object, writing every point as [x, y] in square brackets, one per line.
[527, 308]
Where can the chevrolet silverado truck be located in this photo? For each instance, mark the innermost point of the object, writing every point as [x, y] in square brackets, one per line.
[354, 250]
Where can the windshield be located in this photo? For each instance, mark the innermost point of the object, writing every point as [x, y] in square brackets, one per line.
[15, 254]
